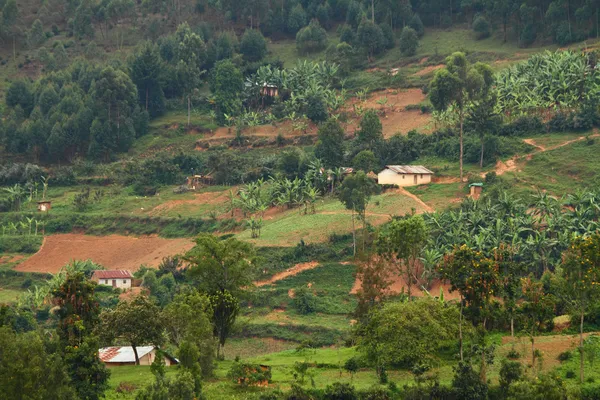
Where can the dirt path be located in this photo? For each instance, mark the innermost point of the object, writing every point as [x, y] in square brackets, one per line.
[511, 164]
[406, 193]
[532, 143]
[295, 270]
[112, 252]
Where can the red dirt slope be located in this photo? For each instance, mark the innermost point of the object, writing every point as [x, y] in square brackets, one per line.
[112, 252]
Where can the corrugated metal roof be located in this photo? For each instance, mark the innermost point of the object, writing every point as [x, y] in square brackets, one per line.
[115, 274]
[409, 169]
[123, 353]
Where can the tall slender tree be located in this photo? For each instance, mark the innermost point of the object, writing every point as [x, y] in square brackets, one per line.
[457, 85]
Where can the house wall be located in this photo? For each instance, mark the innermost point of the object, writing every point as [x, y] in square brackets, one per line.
[389, 177]
[122, 283]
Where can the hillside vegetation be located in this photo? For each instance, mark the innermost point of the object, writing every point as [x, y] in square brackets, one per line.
[226, 154]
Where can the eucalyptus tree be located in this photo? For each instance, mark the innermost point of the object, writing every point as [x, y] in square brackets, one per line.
[458, 85]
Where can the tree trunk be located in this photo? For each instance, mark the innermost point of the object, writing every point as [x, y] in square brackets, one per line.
[147, 98]
[504, 29]
[460, 334]
[581, 360]
[461, 144]
[135, 353]
[189, 108]
[481, 158]
[373, 11]
[512, 328]
[532, 350]
[353, 235]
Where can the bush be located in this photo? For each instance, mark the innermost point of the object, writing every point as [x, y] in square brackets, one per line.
[523, 126]
[590, 392]
[467, 384]
[347, 34]
[249, 374]
[510, 371]
[562, 36]
[340, 391]
[311, 38]
[316, 109]
[304, 301]
[482, 28]
[409, 41]
[565, 356]
[253, 46]
[63, 176]
[416, 23]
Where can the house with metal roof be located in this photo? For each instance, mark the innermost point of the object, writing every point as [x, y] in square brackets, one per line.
[115, 356]
[404, 175]
[117, 278]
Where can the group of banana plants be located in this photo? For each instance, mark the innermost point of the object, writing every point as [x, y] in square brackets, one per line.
[26, 226]
[538, 230]
[550, 81]
[296, 85]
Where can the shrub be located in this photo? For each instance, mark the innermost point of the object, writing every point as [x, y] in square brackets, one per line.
[482, 28]
[347, 34]
[409, 41]
[416, 23]
[467, 383]
[562, 36]
[316, 109]
[311, 38]
[340, 391]
[565, 356]
[249, 374]
[570, 374]
[510, 371]
[304, 301]
[590, 392]
[253, 46]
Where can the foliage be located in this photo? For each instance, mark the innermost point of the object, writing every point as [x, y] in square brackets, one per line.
[481, 27]
[137, 322]
[423, 325]
[330, 144]
[249, 374]
[219, 265]
[409, 42]
[226, 85]
[253, 45]
[29, 368]
[311, 38]
[304, 301]
[467, 384]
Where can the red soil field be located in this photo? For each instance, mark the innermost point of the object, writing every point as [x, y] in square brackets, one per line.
[112, 252]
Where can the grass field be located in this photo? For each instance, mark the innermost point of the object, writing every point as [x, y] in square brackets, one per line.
[9, 295]
[440, 195]
[289, 227]
[563, 170]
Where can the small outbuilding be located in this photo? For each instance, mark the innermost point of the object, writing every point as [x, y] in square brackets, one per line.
[44, 205]
[404, 175]
[116, 356]
[269, 90]
[475, 190]
[120, 279]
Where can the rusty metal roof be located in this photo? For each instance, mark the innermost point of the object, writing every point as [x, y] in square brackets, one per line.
[115, 274]
[409, 169]
[122, 353]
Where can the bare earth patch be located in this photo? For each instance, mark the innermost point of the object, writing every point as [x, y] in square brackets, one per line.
[295, 270]
[428, 70]
[211, 198]
[112, 252]
[550, 346]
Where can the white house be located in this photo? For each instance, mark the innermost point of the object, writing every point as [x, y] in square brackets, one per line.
[120, 279]
[404, 175]
[115, 356]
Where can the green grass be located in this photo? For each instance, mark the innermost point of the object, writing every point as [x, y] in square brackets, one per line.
[440, 195]
[285, 50]
[563, 170]
[9, 295]
[289, 227]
